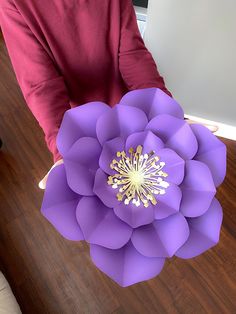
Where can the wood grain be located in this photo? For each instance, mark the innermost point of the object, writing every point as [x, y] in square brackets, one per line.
[49, 274]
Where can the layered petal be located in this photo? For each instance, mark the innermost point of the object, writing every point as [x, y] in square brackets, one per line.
[100, 225]
[108, 153]
[81, 163]
[134, 215]
[147, 139]
[168, 203]
[79, 122]
[59, 205]
[153, 101]
[104, 191]
[174, 165]
[126, 266]
[121, 121]
[175, 133]
[211, 151]
[162, 238]
[198, 189]
[204, 232]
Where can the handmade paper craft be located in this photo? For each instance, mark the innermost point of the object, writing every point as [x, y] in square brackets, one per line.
[138, 184]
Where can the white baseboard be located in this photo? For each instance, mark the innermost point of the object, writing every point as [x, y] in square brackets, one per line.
[224, 130]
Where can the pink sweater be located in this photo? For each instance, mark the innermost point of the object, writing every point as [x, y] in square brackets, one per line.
[69, 52]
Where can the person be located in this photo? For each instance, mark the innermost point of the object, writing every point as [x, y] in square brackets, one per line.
[69, 52]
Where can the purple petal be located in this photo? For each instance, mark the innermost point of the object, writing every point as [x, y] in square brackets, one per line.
[104, 191]
[126, 266]
[81, 163]
[204, 232]
[162, 238]
[198, 189]
[109, 153]
[168, 203]
[59, 205]
[175, 133]
[174, 165]
[100, 225]
[134, 215]
[147, 139]
[121, 121]
[211, 151]
[79, 122]
[153, 101]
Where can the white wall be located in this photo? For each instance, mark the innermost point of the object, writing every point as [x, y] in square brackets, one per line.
[194, 46]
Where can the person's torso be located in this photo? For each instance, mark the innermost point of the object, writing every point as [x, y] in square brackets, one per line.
[82, 38]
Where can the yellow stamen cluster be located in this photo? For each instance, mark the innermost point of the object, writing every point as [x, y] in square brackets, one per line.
[138, 177]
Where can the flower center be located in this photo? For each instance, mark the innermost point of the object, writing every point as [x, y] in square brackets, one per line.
[139, 176]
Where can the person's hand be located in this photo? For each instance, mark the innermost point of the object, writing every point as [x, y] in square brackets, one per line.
[42, 183]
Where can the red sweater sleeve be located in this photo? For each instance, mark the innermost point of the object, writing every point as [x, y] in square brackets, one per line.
[43, 88]
[137, 66]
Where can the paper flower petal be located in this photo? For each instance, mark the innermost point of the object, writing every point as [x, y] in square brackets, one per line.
[153, 101]
[175, 133]
[198, 189]
[134, 215]
[109, 153]
[162, 238]
[100, 225]
[211, 151]
[79, 122]
[81, 163]
[174, 165]
[59, 205]
[103, 190]
[126, 266]
[147, 139]
[168, 203]
[118, 122]
[204, 232]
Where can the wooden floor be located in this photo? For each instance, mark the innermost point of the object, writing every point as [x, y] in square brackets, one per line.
[49, 274]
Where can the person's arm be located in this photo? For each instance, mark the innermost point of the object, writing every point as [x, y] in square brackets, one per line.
[42, 86]
[137, 66]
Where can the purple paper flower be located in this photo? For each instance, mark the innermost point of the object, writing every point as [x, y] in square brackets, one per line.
[138, 183]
